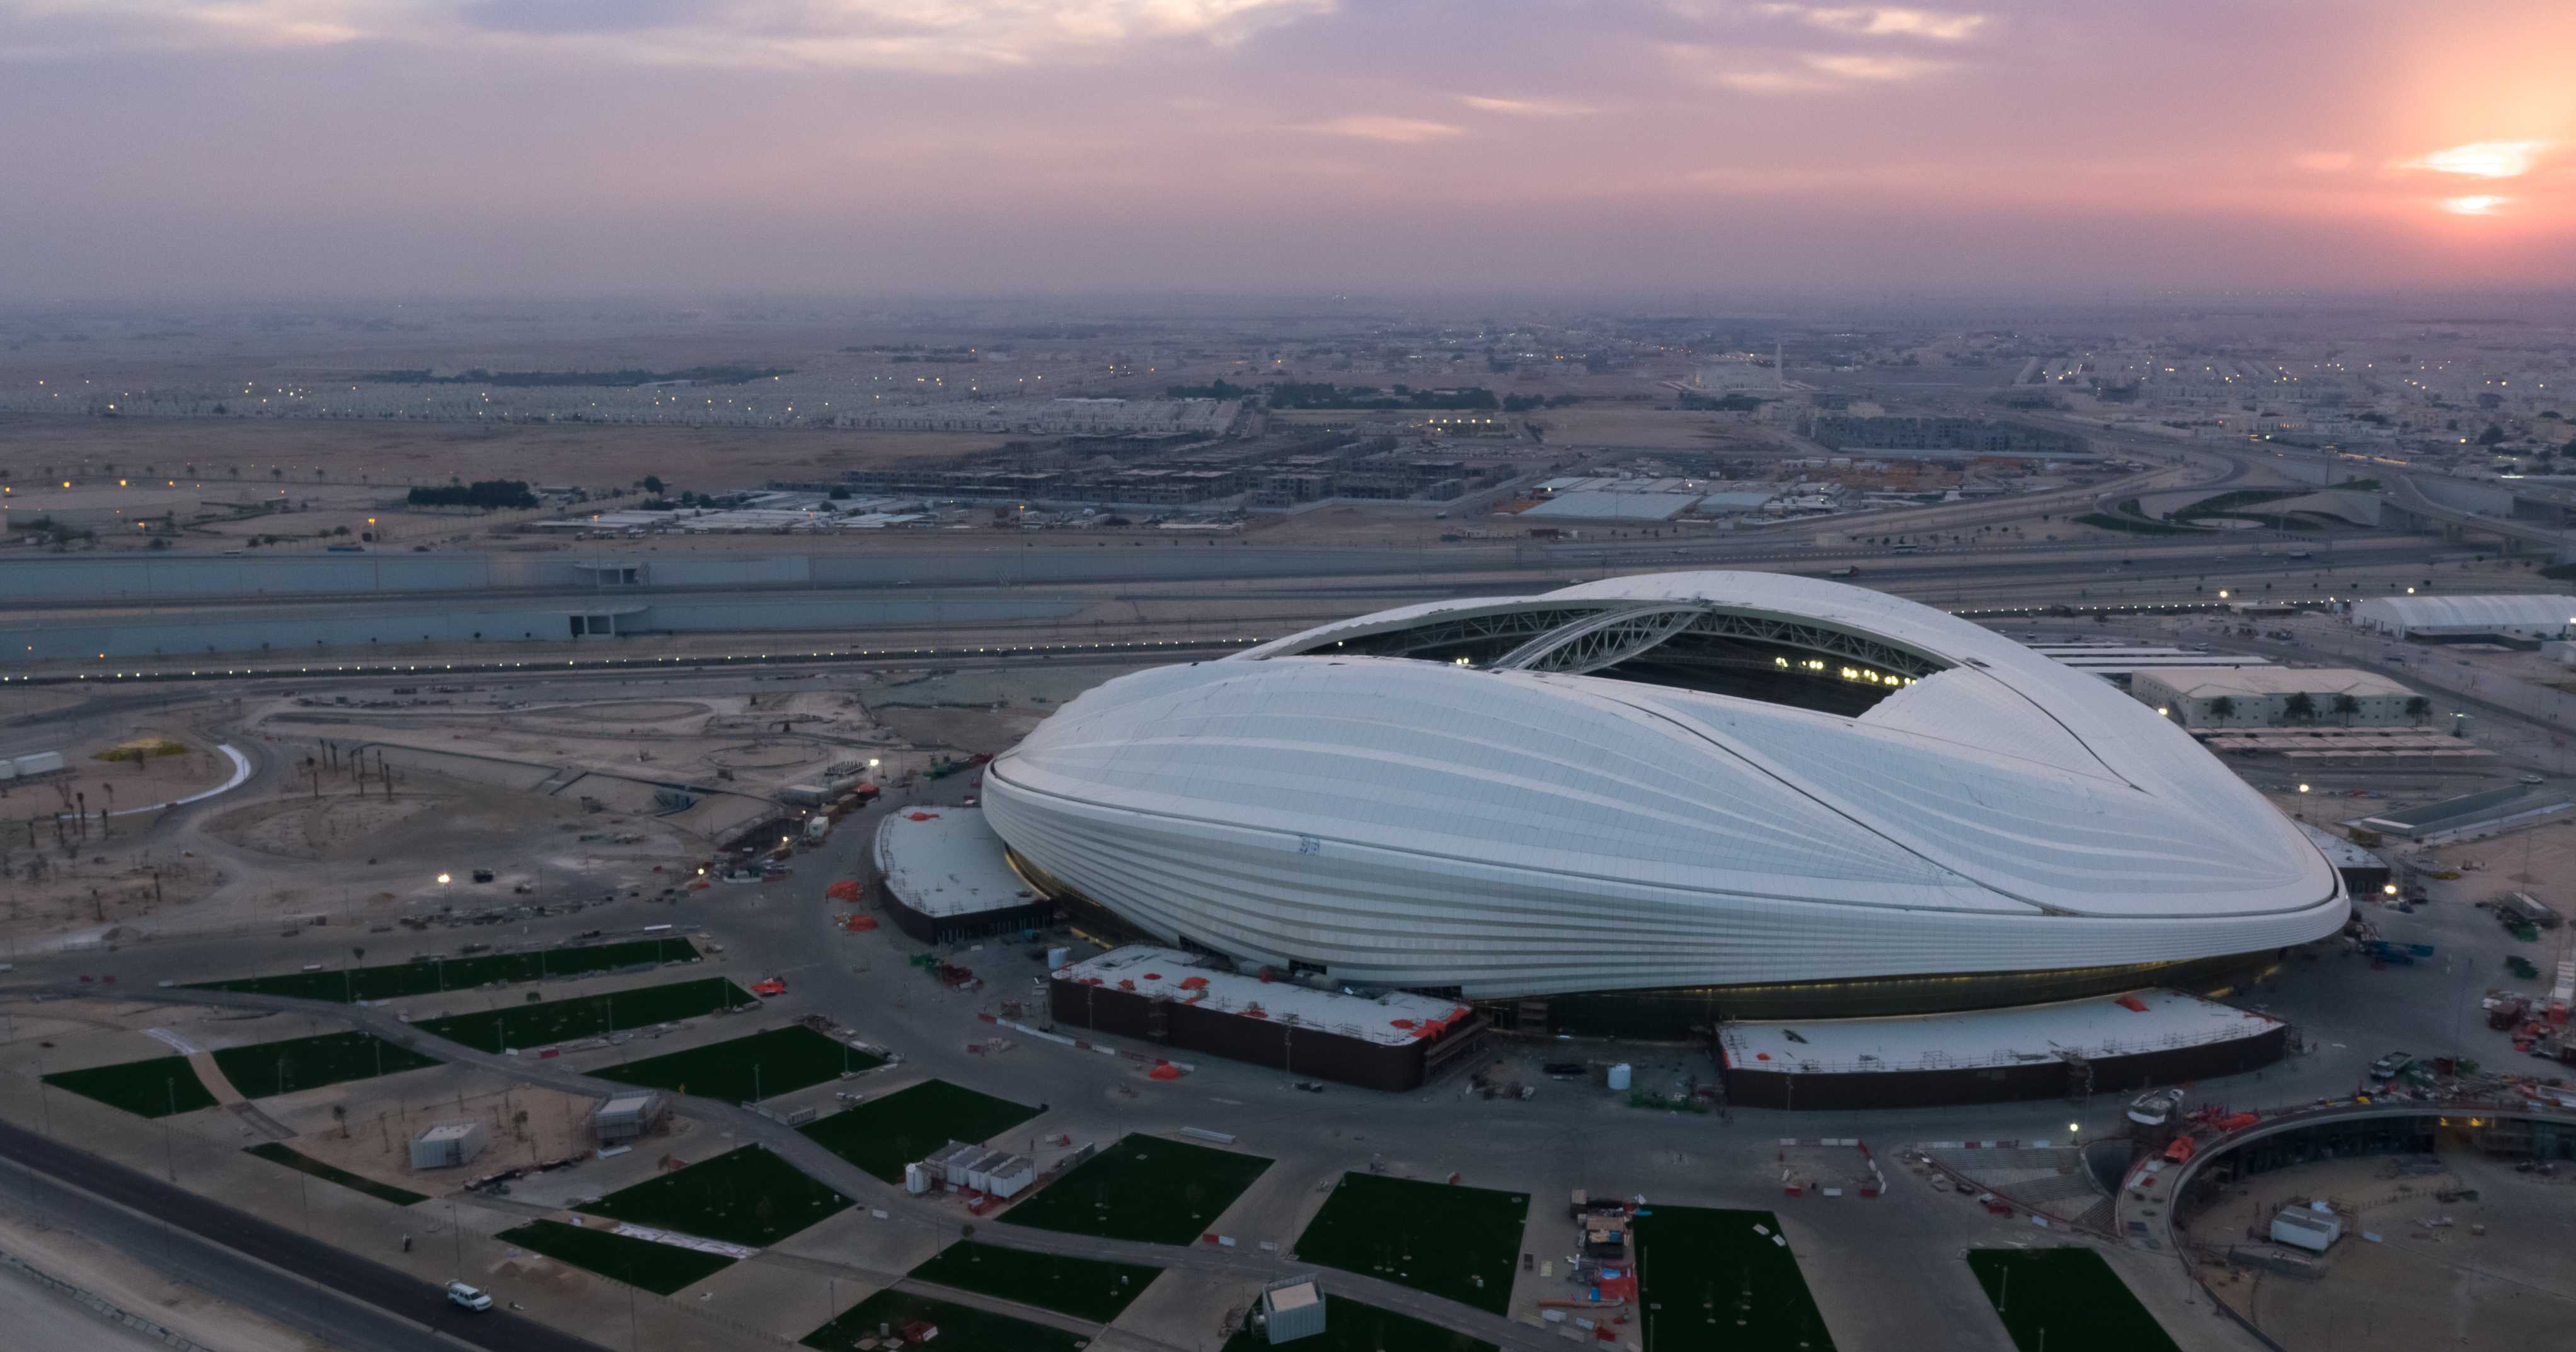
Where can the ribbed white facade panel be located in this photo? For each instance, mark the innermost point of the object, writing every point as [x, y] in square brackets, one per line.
[1417, 823]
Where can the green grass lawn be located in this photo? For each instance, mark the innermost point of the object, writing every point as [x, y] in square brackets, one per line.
[1086, 1288]
[960, 1329]
[1432, 1237]
[884, 1134]
[746, 1196]
[1352, 1327]
[153, 1087]
[539, 1025]
[747, 1069]
[2067, 1297]
[392, 981]
[1708, 1280]
[277, 1153]
[658, 1268]
[310, 1062]
[1143, 1187]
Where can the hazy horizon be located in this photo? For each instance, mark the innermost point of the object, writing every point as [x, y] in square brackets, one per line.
[307, 150]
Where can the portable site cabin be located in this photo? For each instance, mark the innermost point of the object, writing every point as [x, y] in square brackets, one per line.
[625, 1117]
[1008, 1176]
[448, 1145]
[2310, 1227]
[949, 1163]
[1291, 1309]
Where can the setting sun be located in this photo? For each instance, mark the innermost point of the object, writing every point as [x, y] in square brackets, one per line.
[2484, 159]
[2477, 205]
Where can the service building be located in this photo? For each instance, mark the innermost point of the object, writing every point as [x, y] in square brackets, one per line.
[2269, 697]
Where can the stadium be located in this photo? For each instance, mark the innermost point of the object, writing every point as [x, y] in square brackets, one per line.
[1652, 803]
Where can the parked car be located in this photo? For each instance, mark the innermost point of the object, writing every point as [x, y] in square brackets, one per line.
[2387, 1067]
[470, 1297]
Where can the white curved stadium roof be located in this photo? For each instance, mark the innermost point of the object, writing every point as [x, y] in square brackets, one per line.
[1408, 822]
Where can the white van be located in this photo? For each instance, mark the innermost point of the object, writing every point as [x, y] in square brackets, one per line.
[471, 1297]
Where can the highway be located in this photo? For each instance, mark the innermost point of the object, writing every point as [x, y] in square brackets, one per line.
[344, 1300]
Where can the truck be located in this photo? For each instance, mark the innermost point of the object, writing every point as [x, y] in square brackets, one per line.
[2526, 909]
[817, 830]
[1847, 570]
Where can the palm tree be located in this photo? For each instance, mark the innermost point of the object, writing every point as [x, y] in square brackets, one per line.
[2222, 709]
[2300, 708]
[2345, 706]
[2418, 708]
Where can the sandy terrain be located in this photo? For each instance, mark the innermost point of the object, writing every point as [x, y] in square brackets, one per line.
[2422, 1285]
[101, 891]
[389, 853]
[114, 786]
[384, 1114]
[321, 828]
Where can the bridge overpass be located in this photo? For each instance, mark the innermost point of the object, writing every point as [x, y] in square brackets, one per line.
[2444, 506]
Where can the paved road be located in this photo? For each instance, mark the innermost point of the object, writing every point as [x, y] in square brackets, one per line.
[346, 1301]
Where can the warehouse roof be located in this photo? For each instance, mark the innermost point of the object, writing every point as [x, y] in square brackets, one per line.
[1390, 1020]
[2097, 1028]
[2255, 682]
[1587, 504]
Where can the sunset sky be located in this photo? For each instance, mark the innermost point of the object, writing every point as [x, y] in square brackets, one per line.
[308, 148]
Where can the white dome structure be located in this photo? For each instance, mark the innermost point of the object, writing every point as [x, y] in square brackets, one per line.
[1691, 782]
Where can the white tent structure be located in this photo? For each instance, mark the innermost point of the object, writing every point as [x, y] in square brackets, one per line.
[2525, 616]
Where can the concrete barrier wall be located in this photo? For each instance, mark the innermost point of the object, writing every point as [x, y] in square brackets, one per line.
[1055, 560]
[201, 577]
[847, 619]
[99, 1305]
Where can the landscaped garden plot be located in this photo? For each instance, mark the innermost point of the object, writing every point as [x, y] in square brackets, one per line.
[153, 1087]
[1086, 1288]
[747, 1196]
[658, 1268]
[961, 1328]
[393, 981]
[747, 1069]
[1712, 1279]
[1143, 1187]
[555, 1021]
[277, 1153]
[1352, 1327]
[1457, 1242]
[883, 1135]
[2066, 1297]
[311, 1062]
